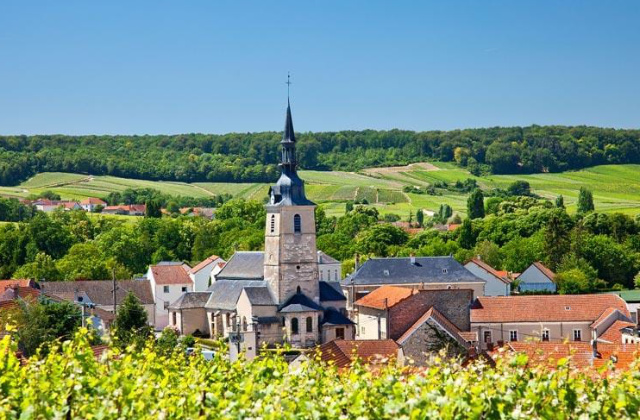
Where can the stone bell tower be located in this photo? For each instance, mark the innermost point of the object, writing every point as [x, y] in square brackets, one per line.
[290, 258]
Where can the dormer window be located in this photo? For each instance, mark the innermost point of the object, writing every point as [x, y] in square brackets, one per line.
[386, 272]
[444, 271]
[297, 224]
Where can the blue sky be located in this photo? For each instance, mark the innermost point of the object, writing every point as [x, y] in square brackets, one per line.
[146, 67]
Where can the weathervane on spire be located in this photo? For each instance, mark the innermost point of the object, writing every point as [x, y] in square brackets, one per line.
[288, 82]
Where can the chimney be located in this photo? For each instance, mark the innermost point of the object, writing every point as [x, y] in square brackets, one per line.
[479, 257]
[412, 258]
[357, 263]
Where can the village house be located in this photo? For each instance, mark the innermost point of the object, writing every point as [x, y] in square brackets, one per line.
[47, 206]
[497, 283]
[412, 272]
[277, 295]
[537, 278]
[203, 274]
[343, 353]
[329, 268]
[90, 204]
[188, 314]
[169, 281]
[422, 322]
[632, 298]
[99, 294]
[551, 318]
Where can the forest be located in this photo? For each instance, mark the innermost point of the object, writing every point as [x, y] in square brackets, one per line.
[252, 157]
[590, 251]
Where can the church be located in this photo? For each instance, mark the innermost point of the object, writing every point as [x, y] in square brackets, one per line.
[277, 293]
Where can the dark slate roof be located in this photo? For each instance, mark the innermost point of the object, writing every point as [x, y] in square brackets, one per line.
[333, 317]
[225, 293]
[330, 291]
[191, 300]
[299, 303]
[243, 265]
[268, 320]
[401, 271]
[99, 292]
[259, 296]
[326, 259]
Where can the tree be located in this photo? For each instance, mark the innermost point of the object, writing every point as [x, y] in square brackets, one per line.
[475, 205]
[444, 213]
[557, 242]
[348, 206]
[572, 282]
[41, 268]
[636, 281]
[152, 208]
[560, 201]
[420, 217]
[131, 323]
[378, 238]
[173, 207]
[42, 321]
[489, 253]
[84, 261]
[585, 201]
[519, 188]
[467, 239]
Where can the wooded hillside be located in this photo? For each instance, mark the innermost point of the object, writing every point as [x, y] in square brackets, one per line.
[252, 157]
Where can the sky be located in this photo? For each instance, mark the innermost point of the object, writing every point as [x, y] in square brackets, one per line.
[168, 67]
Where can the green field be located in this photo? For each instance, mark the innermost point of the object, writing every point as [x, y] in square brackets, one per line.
[615, 187]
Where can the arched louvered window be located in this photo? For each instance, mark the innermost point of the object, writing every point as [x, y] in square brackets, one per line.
[294, 326]
[309, 324]
[297, 224]
[273, 223]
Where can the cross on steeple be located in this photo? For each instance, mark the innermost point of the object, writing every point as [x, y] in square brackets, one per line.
[288, 82]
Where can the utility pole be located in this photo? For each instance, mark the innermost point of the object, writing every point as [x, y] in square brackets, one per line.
[113, 278]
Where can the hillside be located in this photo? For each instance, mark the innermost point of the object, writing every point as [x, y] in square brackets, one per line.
[615, 187]
[252, 157]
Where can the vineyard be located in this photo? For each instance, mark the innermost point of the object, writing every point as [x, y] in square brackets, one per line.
[147, 384]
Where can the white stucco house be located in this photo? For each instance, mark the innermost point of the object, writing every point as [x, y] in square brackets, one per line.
[204, 273]
[90, 204]
[169, 281]
[497, 282]
[329, 269]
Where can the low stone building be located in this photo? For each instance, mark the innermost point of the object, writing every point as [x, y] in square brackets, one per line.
[188, 314]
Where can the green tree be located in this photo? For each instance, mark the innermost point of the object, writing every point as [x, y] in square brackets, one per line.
[572, 282]
[131, 322]
[519, 188]
[636, 281]
[475, 205]
[489, 253]
[557, 242]
[378, 238]
[153, 208]
[467, 239]
[420, 217]
[84, 261]
[585, 201]
[41, 322]
[560, 201]
[173, 207]
[41, 268]
[348, 206]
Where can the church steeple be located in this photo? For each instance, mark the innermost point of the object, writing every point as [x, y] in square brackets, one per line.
[289, 190]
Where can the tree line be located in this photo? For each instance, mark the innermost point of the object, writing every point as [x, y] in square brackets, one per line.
[253, 157]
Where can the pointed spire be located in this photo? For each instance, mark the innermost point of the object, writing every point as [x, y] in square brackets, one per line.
[289, 135]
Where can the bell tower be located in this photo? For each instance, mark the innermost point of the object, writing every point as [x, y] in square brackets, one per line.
[290, 257]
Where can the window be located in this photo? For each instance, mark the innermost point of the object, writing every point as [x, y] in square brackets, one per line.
[340, 333]
[165, 289]
[297, 224]
[175, 319]
[577, 335]
[166, 305]
[309, 324]
[184, 289]
[244, 323]
[513, 335]
[321, 275]
[545, 335]
[294, 326]
[273, 223]
[336, 275]
[361, 330]
[487, 336]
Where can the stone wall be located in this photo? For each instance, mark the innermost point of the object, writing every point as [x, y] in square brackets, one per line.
[429, 340]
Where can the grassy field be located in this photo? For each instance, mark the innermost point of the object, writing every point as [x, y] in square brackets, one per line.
[615, 187]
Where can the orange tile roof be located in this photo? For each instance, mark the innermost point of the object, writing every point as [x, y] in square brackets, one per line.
[15, 283]
[93, 200]
[344, 352]
[453, 227]
[203, 264]
[385, 297]
[545, 308]
[170, 274]
[613, 334]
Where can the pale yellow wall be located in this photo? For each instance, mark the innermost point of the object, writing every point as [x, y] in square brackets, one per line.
[374, 323]
[532, 331]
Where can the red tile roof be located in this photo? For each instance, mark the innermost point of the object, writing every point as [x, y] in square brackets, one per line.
[170, 274]
[16, 283]
[385, 297]
[546, 271]
[344, 352]
[204, 263]
[613, 334]
[545, 308]
[502, 275]
[93, 200]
